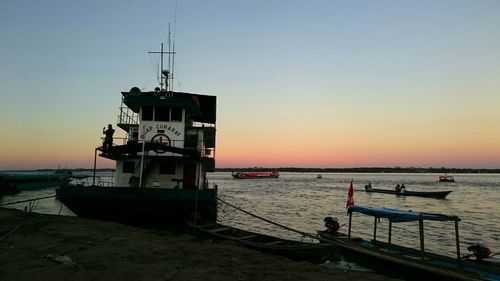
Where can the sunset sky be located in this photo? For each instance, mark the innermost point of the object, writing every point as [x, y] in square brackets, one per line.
[298, 83]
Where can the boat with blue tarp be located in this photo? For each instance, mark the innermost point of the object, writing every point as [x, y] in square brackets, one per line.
[423, 263]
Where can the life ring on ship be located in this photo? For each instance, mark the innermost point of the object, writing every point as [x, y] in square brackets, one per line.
[161, 139]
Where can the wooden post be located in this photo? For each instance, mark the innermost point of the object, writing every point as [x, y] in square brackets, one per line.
[458, 244]
[350, 220]
[142, 162]
[421, 231]
[375, 230]
[95, 163]
[390, 232]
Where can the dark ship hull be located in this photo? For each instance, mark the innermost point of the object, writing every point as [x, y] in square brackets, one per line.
[140, 206]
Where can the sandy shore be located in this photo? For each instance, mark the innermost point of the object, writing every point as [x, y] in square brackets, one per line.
[47, 247]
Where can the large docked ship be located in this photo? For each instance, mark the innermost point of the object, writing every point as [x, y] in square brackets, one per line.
[161, 164]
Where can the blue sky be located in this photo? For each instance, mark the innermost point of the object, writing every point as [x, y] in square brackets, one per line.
[299, 83]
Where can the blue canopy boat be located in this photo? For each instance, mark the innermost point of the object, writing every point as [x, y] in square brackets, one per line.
[409, 260]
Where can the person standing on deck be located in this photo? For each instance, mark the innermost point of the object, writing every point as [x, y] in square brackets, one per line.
[108, 139]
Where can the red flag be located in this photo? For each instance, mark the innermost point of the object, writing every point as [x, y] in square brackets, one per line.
[350, 197]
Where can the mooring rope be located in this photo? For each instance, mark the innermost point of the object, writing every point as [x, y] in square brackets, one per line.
[27, 200]
[17, 227]
[271, 222]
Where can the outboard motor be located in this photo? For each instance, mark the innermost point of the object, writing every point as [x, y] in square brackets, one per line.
[480, 250]
[331, 224]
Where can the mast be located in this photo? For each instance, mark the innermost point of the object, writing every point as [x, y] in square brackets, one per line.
[166, 74]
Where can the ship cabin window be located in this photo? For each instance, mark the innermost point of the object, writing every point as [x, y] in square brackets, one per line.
[176, 114]
[128, 167]
[147, 113]
[191, 140]
[167, 168]
[133, 133]
[162, 113]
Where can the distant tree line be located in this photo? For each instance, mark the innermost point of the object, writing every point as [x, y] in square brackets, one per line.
[442, 170]
[369, 170]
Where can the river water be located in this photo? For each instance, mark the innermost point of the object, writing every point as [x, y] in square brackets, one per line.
[301, 201]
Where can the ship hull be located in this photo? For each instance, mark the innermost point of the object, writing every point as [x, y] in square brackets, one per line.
[140, 206]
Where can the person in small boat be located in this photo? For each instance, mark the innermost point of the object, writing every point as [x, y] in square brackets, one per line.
[403, 188]
[332, 224]
[397, 188]
[108, 137]
[368, 187]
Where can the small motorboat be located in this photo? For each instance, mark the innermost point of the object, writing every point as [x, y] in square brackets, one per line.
[428, 194]
[446, 178]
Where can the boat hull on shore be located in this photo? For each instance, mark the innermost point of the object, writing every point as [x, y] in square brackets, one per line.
[292, 249]
[428, 194]
[140, 206]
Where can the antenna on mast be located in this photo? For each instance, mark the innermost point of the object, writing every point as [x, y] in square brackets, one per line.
[166, 78]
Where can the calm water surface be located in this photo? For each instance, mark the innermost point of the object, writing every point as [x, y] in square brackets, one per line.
[301, 201]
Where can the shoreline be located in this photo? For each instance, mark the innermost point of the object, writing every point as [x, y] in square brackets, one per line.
[354, 170]
[53, 247]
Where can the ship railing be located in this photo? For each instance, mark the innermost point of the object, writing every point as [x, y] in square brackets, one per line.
[208, 153]
[105, 183]
[117, 141]
[197, 146]
[200, 125]
[127, 116]
[88, 181]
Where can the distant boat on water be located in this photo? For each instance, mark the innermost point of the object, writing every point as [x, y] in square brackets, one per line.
[428, 194]
[15, 182]
[255, 175]
[446, 178]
